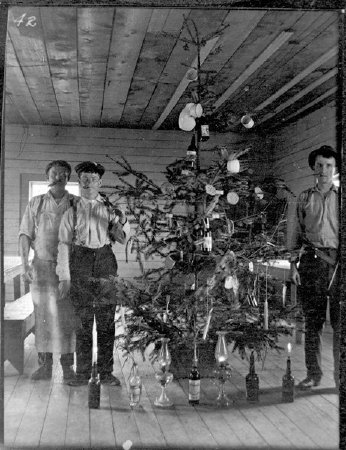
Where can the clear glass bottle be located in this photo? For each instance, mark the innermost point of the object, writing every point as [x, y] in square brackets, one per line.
[252, 382]
[135, 386]
[94, 388]
[208, 240]
[163, 376]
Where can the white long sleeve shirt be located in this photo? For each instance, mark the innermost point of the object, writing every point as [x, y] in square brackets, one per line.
[87, 226]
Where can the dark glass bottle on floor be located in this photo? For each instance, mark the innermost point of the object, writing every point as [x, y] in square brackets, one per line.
[252, 382]
[194, 383]
[288, 384]
[94, 388]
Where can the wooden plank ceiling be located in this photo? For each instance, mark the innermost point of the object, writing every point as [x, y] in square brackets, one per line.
[126, 67]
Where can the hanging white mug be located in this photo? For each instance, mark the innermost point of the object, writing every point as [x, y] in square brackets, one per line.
[233, 166]
[247, 121]
[186, 122]
[195, 109]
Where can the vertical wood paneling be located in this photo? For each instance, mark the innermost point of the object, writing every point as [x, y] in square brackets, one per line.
[291, 147]
[29, 149]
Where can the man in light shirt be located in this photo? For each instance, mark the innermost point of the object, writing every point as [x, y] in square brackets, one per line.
[85, 262]
[54, 316]
[315, 241]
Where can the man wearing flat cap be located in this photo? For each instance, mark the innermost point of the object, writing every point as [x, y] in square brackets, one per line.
[314, 261]
[85, 262]
[54, 317]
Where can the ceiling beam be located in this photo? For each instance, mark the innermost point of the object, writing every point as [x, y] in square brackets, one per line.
[324, 58]
[309, 105]
[205, 50]
[261, 59]
[298, 96]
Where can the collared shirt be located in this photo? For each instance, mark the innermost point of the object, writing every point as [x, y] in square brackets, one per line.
[91, 230]
[42, 226]
[317, 219]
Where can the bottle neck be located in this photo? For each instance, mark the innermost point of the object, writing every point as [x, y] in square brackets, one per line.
[252, 364]
[288, 368]
[134, 370]
[94, 370]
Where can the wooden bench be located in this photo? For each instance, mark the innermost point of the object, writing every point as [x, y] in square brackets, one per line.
[14, 285]
[19, 322]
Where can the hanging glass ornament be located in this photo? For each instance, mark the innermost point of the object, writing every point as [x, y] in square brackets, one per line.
[233, 166]
[167, 188]
[232, 198]
[192, 74]
[259, 192]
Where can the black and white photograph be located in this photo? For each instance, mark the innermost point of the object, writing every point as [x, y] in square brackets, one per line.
[172, 245]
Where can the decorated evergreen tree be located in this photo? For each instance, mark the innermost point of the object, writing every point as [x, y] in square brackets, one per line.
[208, 228]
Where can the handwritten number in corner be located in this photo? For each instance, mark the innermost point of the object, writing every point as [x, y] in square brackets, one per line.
[25, 21]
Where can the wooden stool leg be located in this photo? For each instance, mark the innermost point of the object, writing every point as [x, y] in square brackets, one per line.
[14, 346]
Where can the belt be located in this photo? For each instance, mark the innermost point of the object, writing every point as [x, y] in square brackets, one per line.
[322, 252]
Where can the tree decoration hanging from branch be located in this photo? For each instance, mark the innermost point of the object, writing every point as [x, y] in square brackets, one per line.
[205, 229]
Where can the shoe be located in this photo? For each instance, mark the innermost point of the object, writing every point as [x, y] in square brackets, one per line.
[68, 374]
[309, 382]
[110, 379]
[78, 380]
[42, 373]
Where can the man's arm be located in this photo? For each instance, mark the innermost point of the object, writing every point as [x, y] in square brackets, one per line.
[294, 240]
[64, 247]
[26, 237]
[119, 230]
[24, 249]
[294, 274]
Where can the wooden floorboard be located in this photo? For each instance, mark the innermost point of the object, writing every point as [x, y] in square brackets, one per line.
[52, 415]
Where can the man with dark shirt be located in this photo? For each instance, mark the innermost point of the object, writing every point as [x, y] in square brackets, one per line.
[315, 243]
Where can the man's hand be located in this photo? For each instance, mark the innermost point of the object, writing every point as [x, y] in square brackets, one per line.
[28, 274]
[119, 216]
[294, 275]
[64, 288]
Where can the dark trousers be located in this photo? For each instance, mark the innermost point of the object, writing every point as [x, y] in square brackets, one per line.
[92, 296]
[46, 359]
[313, 293]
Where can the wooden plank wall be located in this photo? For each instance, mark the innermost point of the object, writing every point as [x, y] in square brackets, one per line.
[292, 144]
[29, 149]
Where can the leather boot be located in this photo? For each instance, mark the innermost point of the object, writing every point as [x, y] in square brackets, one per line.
[66, 360]
[68, 374]
[44, 372]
